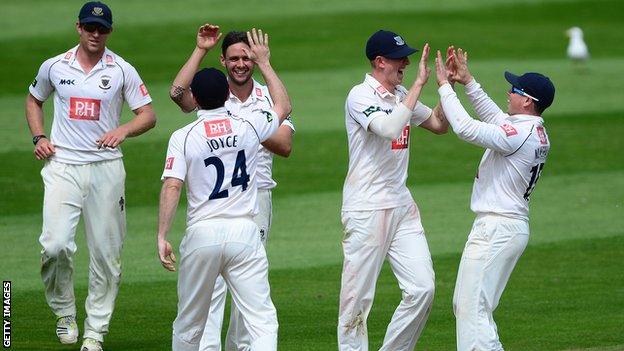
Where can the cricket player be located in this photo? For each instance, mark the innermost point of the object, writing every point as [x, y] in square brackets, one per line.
[516, 146]
[246, 95]
[84, 172]
[221, 237]
[380, 218]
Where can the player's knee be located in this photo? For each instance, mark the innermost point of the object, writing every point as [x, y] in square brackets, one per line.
[420, 295]
[56, 250]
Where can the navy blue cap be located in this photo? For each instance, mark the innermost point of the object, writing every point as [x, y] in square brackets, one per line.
[210, 88]
[534, 84]
[387, 44]
[96, 12]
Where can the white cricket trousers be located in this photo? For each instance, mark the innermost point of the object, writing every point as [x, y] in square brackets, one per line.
[229, 247]
[370, 237]
[490, 255]
[237, 338]
[97, 191]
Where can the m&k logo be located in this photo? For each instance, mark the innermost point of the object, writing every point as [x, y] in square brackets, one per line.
[143, 90]
[217, 127]
[109, 59]
[542, 135]
[169, 162]
[258, 92]
[402, 142]
[509, 130]
[83, 108]
[68, 55]
[67, 82]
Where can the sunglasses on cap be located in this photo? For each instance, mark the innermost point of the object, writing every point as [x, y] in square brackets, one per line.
[92, 27]
[516, 90]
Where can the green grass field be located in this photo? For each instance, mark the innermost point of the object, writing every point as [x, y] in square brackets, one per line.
[567, 292]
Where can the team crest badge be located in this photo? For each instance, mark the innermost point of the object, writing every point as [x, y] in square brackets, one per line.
[399, 41]
[105, 82]
[97, 11]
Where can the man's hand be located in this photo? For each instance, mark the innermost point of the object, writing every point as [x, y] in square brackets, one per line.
[460, 72]
[423, 70]
[259, 47]
[112, 139]
[208, 36]
[44, 149]
[441, 73]
[166, 255]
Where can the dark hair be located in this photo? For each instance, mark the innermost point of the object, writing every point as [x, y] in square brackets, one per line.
[232, 38]
[210, 88]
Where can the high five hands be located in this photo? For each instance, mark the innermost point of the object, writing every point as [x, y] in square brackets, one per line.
[258, 46]
[450, 70]
[208, 36]
[454, 68]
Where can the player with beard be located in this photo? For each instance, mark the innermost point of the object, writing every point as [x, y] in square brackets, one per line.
[246, 95]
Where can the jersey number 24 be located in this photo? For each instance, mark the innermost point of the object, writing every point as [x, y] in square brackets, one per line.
[239, 175]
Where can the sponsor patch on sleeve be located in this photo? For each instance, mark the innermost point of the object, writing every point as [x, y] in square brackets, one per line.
[169, 162]
[370, 110]
[143, 89]
[217, 127]
[542, 135]
[509, 129]
[258, 92]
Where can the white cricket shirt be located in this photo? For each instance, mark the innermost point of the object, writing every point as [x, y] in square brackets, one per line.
[216, 156]
[259, 99]
[517, 147]
[87, 105]
[377, 166]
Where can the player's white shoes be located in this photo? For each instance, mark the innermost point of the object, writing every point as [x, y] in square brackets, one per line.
[91, 345]
[67, 330]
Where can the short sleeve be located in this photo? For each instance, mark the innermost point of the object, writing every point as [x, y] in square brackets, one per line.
[41, 87]
[420, 113]
[265, 122]
[135, 92]
[288, 122]
[175, 162]
[363, 108]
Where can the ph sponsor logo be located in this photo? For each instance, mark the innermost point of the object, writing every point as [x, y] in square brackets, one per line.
[6, 314]
[402, 142]
[217, 127]
[85, 109]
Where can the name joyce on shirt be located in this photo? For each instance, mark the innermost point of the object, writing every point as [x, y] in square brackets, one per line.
[219, 133]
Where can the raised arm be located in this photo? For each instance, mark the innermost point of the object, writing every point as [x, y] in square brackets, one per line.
[486, 109]
[391, 126]
[208, 36]
[259, 52]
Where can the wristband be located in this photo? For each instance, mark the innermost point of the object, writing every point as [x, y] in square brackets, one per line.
[36, 138]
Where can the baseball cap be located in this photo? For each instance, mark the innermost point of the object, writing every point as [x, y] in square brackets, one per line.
[534, 84]
[96, 12]
[387, 44]
[210, 88]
